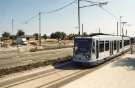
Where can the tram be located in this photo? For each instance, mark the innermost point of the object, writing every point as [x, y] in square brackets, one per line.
[91, 51]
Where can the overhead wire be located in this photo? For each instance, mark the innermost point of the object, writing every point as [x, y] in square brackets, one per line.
[61, 8]
[69, 4]
[52, 11]
[100, 6]
[27, 21]
[90, 1]
[88, 5]
[110, 13]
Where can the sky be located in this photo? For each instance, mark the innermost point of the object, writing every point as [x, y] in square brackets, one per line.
[65, 20]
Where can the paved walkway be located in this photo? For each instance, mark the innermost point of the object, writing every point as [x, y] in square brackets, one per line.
[118, 74]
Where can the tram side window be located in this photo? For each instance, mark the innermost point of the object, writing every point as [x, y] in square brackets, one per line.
[126, 42]
[120, 43]
[118, 47]
[93, 47]
[106, 45]
[101, 46]
[97, 49]
[115, 47]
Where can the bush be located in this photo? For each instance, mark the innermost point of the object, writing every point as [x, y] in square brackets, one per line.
[20, 33]
[44, 36]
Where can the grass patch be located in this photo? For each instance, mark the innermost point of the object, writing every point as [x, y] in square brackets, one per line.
[7, 71]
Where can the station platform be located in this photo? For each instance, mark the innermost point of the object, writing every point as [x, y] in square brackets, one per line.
[118, 74]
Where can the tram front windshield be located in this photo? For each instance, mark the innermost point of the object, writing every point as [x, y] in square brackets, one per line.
[82, 46]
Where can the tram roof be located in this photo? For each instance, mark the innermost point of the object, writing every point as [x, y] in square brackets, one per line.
[105, 37]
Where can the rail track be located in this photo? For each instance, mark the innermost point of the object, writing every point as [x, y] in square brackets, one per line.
[46, 74]
[39, 76]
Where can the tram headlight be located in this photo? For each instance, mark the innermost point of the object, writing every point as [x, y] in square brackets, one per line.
[87, 56]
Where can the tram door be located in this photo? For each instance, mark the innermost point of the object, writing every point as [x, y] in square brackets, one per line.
[93, 53]
[111, 47]
[97, 49]
[118, 44]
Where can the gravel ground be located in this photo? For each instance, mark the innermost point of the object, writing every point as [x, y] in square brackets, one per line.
[118, 74]
[13, 59]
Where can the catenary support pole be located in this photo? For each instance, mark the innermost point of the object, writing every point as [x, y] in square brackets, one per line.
[40, 28]
[78, 17]
[82, 30]
[117, 28]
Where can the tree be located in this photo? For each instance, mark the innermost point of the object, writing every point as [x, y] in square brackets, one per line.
[85, 34]
[36, 35]
[71, 36]
[27, 38]
[58, 35]
[20, 33]
[63, 35]
[6, 35]
[13, 37]
[52, 35]
[44, 36]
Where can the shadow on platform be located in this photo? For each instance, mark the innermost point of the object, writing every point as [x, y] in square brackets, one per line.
[128, 63]
[69, 66]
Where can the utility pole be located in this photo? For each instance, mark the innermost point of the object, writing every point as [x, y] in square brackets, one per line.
[100, 4]
[39, 28]
[82, 30]
[12, 29]
[122, 31]
[123, 23]
[120, 25]
[78, 17]
[99, 30]
[117, 28]
[12, 26]
[126, 32]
